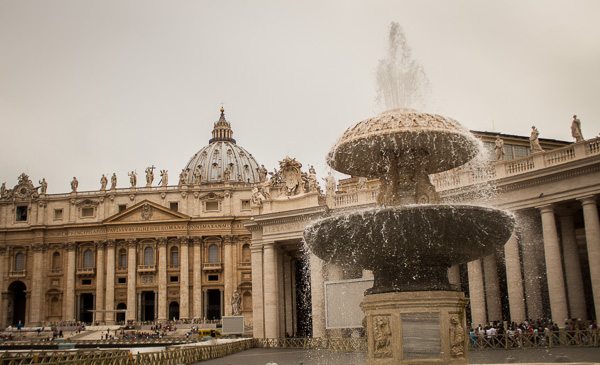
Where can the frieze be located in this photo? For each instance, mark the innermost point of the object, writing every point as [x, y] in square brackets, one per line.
[152, 228]
[286, 227]
[199, 226]
[86, 231]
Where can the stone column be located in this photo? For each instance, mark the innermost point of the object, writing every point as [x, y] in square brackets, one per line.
[162, 279]
[37, 284]
[514, 280]
[197, 277]
[110, 282]
[131, 279]
[69, 296]
[592, 238]
[228, 272]
[476, 294]
[572, 268]
[3, 268]
[100, 281]
[531, 267]
[271, 291]
[258, 314]
[554, 271]
[317, 293]
[334, 273]
[492, 288]
[453, 276]
[281, 290]
[184, 280]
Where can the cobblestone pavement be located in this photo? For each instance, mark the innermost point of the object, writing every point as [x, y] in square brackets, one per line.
[323, 357]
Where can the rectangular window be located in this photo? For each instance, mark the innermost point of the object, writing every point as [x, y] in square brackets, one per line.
[58, 214]
[87, 212]
[21, 213]
[246, 205]
[86, 282]
[122, 207]
[212, 206]
[520, 151]
[121, 280]
[174, 279]
[174, 206]
[213, 277]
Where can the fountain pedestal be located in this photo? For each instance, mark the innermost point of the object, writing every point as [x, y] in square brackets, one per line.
[421, 327]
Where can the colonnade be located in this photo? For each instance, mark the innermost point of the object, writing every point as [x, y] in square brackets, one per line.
[545, 238]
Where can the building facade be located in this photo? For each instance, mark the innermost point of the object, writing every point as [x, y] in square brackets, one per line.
[227, 230]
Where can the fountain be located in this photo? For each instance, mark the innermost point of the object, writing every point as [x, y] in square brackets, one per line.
[413, 315]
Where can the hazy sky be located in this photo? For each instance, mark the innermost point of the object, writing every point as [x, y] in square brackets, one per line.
[92, 87]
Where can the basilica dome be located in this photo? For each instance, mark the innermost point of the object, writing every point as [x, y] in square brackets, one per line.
[222, 159]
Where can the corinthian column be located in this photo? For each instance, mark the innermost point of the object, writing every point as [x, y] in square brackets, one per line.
[317, 293]
[184, 282]
[554, 271]
[271, 290]
[37, 284]
[69, 309]
[258, 316]
[592, 238]
[162, 279]
[572, 268]
[492, 288]
[514, 280]
[476, 294]
[197, 277]
[531, 267]
[131, 279]
[228, 273]
[110, 282]
[100, 281]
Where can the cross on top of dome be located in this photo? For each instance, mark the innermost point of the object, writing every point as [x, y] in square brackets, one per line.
[222, 129]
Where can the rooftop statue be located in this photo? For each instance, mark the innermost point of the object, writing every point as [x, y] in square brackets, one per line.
[534, 141]
[132, 178]
[74, 184]
[499, 148]
[103, 182]
[43, 186]
[164, 178]
[113, 181]
[149, 175]
[183, 177]
[576, 129]
[262, 173]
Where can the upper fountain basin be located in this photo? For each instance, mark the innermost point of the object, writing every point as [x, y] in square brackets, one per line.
[401, 237]
[434, 142]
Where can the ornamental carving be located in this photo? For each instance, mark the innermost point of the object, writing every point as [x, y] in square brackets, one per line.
[291, 175]
[457, 337]
[87, 203]
[382, 337]
[23, 190]
[146, 211]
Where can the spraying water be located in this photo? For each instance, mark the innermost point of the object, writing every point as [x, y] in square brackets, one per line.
[401, 81]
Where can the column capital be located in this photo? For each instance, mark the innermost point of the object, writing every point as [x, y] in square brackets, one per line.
[183, 240]
[131, 242]
[40, 247]
[71, 246]
[548, 208]
[197, 240]
[162, 241]
[590, 199]
[227, 239]
[110, 243]
[100, 244]
[269, 245]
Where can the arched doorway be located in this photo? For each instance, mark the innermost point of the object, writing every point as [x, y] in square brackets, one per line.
[174, 310]
[17, 302]
[121, 315]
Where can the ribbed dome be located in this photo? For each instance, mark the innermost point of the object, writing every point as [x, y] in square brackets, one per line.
[221, 157]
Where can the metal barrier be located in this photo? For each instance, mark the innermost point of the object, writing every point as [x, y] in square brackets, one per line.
[562, 338]
[329, 343]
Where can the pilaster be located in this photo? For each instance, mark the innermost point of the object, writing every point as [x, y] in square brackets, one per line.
[131, 279]
[197, 277]
[100, 276]
[162, 280]
[69, 297]
[184, 279]
[110, 282]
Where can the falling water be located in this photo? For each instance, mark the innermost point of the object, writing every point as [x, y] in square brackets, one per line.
[401, 80]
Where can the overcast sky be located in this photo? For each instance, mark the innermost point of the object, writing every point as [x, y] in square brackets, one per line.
[92, 87]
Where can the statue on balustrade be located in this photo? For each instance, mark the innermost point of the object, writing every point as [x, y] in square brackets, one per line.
[149, 175]
[534, 141]
[132, 178]
[164, 178]
[74, 184]
[576, 129]
[499, 148]
[43, 186]
[103, 182]
[113, 181]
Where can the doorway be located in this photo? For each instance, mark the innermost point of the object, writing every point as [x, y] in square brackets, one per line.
[121, 315]
[17, 301]
[213, 308]
[148, 298]
[174, 311]
[86, 304]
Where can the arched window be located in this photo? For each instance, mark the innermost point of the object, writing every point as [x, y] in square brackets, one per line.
[246, 253]
[88, 259]
[56, 264]
[174, 256]
[122, 262]
[148, 256]
[213, 253]
[19, 261]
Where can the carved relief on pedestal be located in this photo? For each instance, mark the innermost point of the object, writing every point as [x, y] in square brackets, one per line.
[382, 336]
[457, 336]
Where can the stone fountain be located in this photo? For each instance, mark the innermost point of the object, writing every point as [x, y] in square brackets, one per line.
[413, 314]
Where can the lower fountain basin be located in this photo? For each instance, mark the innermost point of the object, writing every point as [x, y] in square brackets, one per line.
[409, 248]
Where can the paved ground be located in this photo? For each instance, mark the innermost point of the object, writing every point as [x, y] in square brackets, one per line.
[322, 357]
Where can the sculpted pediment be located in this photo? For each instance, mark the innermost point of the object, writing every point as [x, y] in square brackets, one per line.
[146, 211]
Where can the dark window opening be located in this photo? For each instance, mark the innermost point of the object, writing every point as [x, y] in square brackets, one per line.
[174, 279]
[122, 280]
[122, 207]
[213, 277]
[174, 206]
[21, 214]
[86, 282]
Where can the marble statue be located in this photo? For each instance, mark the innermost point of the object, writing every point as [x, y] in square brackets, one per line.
[313, 185]
[197, 174]
[227, 174]
[262, 173]
[236, 301]
[534, 141]
[499, 148]
[275, 177]
[330, 184]
[103, 182]
[576, 129]
[149, 175]
[183, 177]
[457, 337]
[257, 196]
[3, 189]
[132, 178]
[164, 178]
[362, 183]
[43, 186]
[113, 181]
[74, 184]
